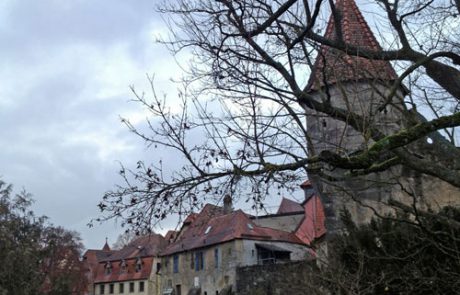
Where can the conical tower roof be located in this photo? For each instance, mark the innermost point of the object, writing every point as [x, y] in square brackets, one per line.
[106, 247]
[333, 66]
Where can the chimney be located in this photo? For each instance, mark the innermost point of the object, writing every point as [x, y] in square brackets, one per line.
[308, 189]
[228, 206]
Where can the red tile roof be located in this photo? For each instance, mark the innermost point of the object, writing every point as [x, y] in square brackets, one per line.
[145, 248]
[130, 274]
[170, 236]
[289, 206]
[106, 247]
[313, 226]
[306, 183]
[211, 226]
[332, 66]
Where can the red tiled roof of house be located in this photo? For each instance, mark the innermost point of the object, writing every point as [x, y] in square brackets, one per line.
[129, 274]
[313, 226]
[190, 218]
[93, 256]
[306, 183]
[211, 226]
[170, 236]
[332, 66]
[289, 206]
[106, 247]
[144, 246]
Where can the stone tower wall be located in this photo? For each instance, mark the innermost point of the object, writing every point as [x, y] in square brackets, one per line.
[367, 195]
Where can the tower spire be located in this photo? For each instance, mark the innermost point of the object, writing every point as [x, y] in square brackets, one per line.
[106, 247]
[333, 66]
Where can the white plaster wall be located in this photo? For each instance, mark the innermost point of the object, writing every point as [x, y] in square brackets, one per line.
[126, 288]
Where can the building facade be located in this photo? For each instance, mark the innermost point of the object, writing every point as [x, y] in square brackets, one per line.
[204, 256]
[131, 270]
[213, 244]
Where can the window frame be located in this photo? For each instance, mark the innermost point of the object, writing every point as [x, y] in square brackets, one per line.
[131, 287]
[199, 260]
[141, 287]
[176, 263]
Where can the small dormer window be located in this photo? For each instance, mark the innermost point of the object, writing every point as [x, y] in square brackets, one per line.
[123, 266]
[138, 265]
[207, 230]
[108, 268]
[250, 226]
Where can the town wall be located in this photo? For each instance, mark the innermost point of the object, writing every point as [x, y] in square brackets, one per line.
[275, 279]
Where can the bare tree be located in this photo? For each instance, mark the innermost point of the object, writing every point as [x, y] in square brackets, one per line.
[246, 95]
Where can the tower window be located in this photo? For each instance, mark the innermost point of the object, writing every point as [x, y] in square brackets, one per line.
[324, 123]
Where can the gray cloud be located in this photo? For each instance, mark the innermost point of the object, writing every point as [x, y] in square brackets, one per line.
[65, 68]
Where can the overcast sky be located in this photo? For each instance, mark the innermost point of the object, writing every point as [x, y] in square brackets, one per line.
[65, 71]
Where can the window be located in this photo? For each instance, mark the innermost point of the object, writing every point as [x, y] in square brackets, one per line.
[138, 265]
[208, 229]
[250, 226]
[176, 263]
[101, 289]
[192, 261]
[121, 288]
[216, 257]
[108, 268]
[158, 267]
[123, 266]
[199, 261]
[141, 286]
[111, 289]
[131, 287]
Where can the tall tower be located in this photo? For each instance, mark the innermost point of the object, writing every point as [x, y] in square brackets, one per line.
[360, 86]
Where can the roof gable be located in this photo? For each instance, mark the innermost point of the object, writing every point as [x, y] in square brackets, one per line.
[289, 206]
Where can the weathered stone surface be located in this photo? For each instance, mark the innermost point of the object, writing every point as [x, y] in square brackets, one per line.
[275, 279]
